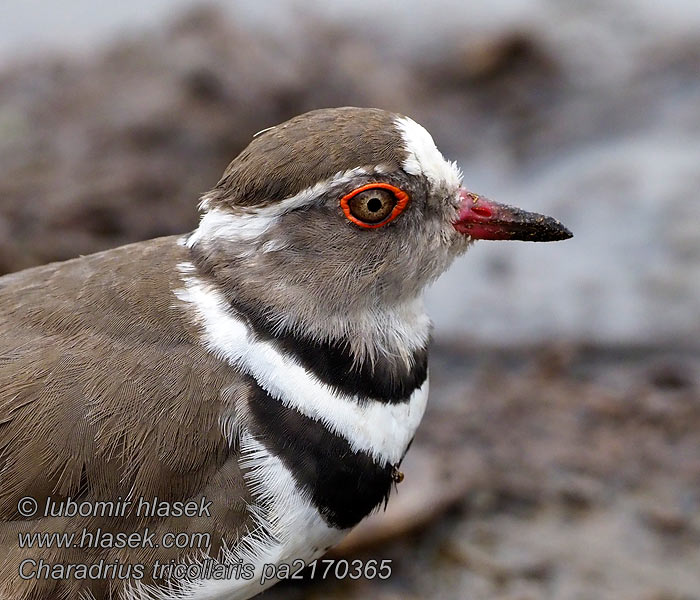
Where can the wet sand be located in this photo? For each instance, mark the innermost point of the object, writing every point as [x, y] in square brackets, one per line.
[579, 471]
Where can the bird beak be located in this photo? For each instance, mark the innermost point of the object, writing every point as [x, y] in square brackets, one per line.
[483, 219]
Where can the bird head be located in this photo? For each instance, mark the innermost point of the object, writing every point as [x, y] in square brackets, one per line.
[342, 213]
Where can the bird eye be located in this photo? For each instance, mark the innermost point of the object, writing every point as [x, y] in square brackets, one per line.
[374, 204]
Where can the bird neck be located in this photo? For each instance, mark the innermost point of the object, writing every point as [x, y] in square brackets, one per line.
[365, 326]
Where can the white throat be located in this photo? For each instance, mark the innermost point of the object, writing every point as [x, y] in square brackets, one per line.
[381, 429]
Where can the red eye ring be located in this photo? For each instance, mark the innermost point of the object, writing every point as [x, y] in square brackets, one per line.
[401, 203]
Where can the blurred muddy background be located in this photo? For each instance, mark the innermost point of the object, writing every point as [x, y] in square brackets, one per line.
[560, 455]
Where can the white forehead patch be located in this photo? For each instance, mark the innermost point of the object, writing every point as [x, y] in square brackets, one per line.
[424, 158]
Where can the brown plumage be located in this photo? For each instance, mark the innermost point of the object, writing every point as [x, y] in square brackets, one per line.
[114, 384]
[83, 415]
[269, 168]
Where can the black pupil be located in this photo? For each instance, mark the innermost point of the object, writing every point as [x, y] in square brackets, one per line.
[374, 205]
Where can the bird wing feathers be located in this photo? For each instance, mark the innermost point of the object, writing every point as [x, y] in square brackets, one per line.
[105, 393]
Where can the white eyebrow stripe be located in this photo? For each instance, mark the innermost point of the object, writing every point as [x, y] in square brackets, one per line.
[254, 221]
[423, 157]
[263, 131]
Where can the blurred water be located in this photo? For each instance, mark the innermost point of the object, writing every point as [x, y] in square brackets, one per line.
[631, 273]
[624, 177]
[30, 25]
